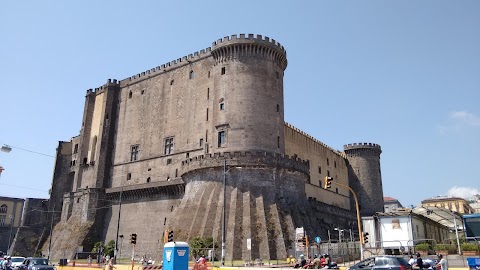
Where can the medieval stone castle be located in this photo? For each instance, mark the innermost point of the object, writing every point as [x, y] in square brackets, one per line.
[155, 149]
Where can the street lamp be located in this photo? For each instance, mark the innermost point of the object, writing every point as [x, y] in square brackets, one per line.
[225, 171]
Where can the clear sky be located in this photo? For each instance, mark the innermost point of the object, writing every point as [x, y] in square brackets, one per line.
[403, 74]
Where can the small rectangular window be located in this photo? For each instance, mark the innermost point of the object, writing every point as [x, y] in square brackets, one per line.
[328, 162]
[207, 114]
[134, 152]
[278, 76]
[223, 70]
[319, 169]
[129, 176]
[169, 146]
[169, 161]
[335, 163]
[278, 141]
[208, 93]
[222, 138]
[328, 173]
[278, 108]
[222, 106]
[201, 142]
[75, 150]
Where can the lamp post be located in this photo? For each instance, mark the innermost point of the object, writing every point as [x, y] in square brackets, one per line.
[118, 226]
[12, 219]
[456, 233]
[51, 230]
[225, 171]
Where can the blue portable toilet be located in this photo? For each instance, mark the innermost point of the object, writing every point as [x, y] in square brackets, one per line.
[175, 256]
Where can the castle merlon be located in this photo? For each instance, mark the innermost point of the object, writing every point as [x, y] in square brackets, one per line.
[180, 62]
[341, 154]
[251, 39]
[110, 82]
[352, 146]
[245, 158]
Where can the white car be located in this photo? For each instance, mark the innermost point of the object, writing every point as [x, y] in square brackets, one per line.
[16, 261]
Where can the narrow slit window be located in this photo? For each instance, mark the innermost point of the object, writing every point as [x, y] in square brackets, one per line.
[223, 70]
[222, 106]
[278, 141]
[222, 138]
[207, 114]
[192, 75]
[129, 176]
[208, 93]
[130, 94]
[171, 82]
[209, 74]
[278, 108]
[201, 142]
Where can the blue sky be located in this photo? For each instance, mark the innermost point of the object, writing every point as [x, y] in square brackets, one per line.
[403, 74]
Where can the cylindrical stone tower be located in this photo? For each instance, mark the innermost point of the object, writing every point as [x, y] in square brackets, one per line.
[365, 175]
[248, 101]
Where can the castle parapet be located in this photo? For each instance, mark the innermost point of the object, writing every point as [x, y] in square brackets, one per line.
[359, 146]
[246, 159]
[233, 47]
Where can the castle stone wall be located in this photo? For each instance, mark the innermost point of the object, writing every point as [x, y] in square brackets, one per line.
[323, 161]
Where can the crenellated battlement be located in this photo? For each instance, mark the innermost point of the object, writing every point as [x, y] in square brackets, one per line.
[109, 83]
[180, 62]
[250, 39]
[234, 47]
[352, 146]
[315, 140]
[247, 159]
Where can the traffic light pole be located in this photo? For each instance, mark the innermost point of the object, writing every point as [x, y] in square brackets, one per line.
[133, 255]
[360, 232]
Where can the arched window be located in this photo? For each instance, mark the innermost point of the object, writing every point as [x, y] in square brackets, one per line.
[192, 74]
[3, 208]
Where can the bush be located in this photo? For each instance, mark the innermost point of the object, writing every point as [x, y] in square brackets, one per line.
[422, 247]
[469, 247]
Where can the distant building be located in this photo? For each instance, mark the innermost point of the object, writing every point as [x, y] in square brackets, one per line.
[455, 204]
[10, 219]
[22, 224]
[474, 202]
[391, 204]
[399, 232]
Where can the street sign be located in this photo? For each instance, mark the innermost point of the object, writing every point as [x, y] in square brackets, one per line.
[318, 239]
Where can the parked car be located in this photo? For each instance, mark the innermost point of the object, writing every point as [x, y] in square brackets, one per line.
[16, 261]
[382, 262]
[32, 263]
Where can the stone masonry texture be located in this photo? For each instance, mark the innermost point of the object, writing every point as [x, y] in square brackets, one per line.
[160, 145]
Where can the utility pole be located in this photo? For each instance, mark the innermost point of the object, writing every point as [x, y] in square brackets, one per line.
[118, 226]
[51, 230]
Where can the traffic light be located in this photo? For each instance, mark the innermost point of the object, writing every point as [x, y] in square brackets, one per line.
[365, 237]
[133, 238]
[170, 236]
[328, 182]
[304, 241]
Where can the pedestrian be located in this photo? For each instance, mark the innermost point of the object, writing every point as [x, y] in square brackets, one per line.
[110, 265]
[89, 259]
[411, 261]
[442, 264]
[419, 263]
[7, 263]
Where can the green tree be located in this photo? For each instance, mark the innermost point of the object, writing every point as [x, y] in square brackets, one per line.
[109, 248]
[199, 246]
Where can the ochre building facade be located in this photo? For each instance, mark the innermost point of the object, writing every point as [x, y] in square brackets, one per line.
[155, 150]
